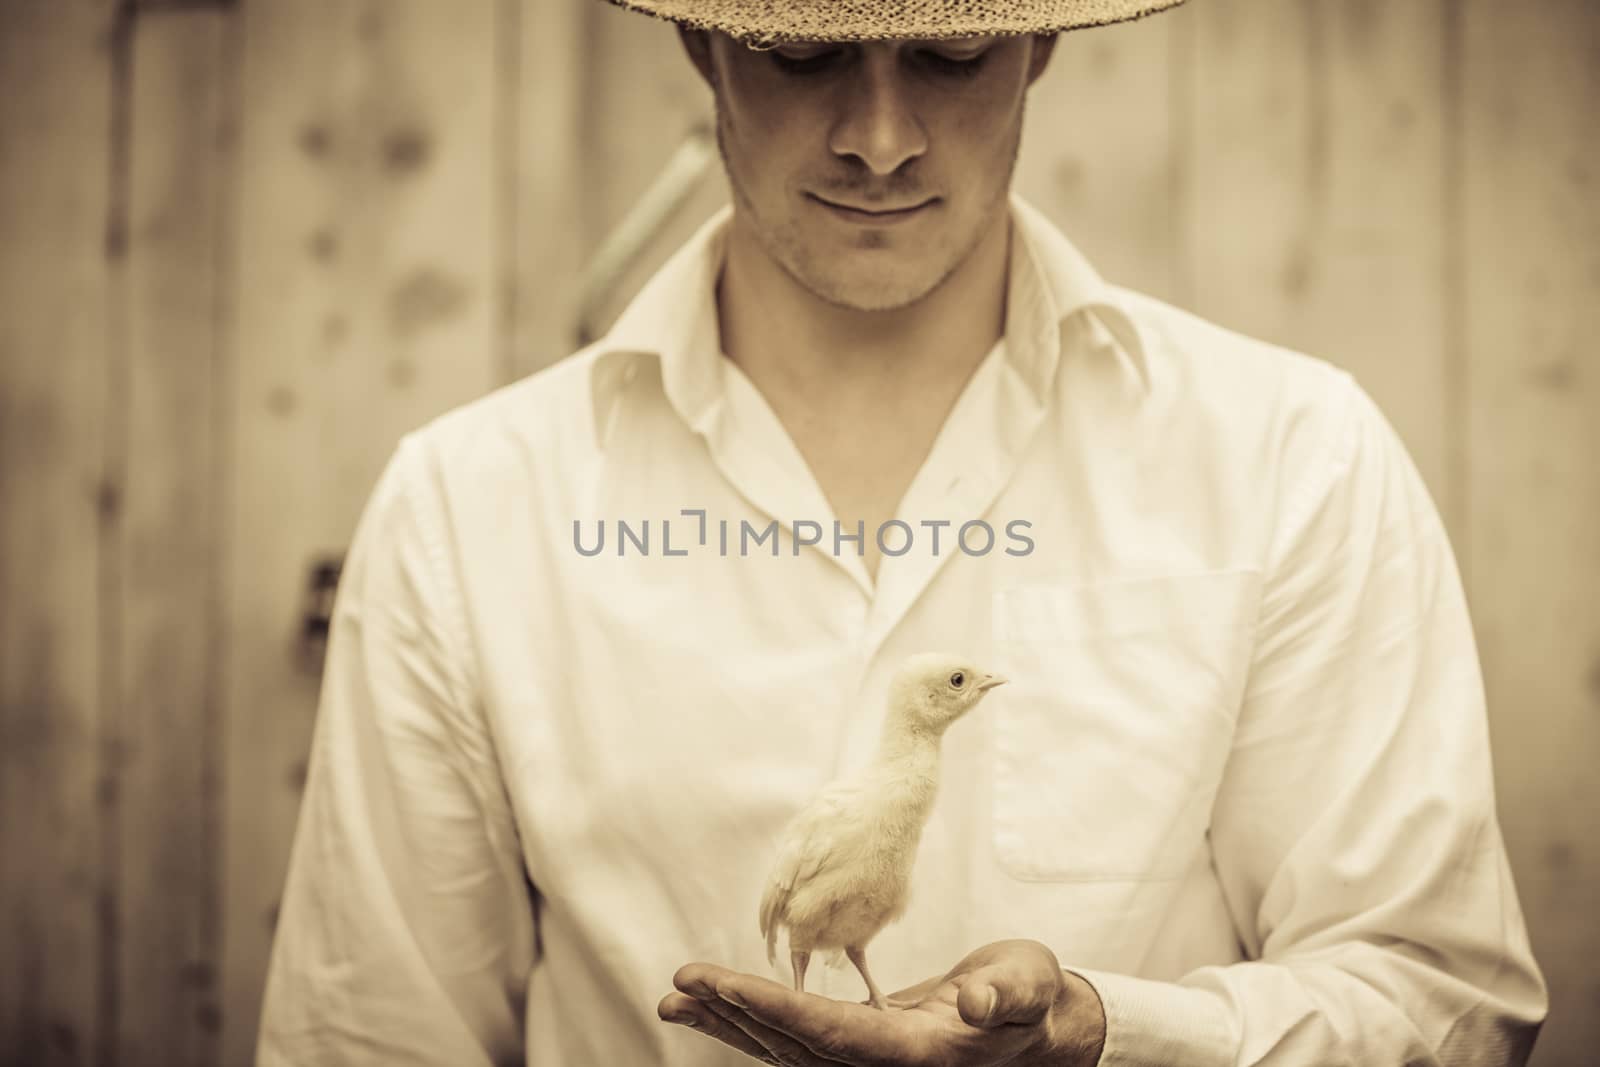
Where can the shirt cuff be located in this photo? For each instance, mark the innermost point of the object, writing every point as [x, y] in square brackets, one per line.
[1158, 1024]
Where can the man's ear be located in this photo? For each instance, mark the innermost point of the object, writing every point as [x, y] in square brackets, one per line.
[697, 43]
[1044, 44]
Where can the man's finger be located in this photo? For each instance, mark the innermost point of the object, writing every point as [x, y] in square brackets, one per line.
[783, 1048]
[998, 994]
[686, 1011]
[735, 1027]
[831, 1030]
[916, 993]
[699, 980]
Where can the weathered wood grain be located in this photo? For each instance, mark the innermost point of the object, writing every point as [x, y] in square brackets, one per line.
[1377, 298]
[365, 305]
[1100, 154]
[59, 252]
[1314, 208]
[1250, 124]
[168, 866]
[543, 56]
[631, 126]
[1530, 257]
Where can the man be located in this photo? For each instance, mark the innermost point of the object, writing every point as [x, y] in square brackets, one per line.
[602, 632]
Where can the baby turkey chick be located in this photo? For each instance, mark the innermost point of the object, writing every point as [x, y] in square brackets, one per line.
[844, 866]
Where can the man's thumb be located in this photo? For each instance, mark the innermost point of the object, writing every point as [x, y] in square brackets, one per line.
[993, 997]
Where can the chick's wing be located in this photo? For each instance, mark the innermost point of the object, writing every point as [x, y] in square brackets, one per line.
[818, 837]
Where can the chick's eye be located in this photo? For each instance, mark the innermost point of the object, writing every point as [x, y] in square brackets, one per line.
[957, 680]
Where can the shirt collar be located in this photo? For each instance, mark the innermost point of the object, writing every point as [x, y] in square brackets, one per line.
[673, 320]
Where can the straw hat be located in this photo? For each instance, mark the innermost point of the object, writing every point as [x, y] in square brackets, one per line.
[770, 22]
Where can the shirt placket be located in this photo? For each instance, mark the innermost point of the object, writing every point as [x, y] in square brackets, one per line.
[965, 472]
[755, 453]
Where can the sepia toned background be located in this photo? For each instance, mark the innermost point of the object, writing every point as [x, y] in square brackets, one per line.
[244, 246]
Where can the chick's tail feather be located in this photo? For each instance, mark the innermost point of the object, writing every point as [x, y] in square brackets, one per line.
[774, 903]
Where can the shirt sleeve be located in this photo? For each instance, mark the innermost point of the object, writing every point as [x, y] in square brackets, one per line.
[406, 930]
[1354, 834]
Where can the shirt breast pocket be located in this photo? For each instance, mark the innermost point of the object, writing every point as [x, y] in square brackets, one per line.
[1109, 740]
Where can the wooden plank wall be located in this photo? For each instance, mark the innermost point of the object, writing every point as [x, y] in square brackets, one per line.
[60, 272]
[245, 246]
[164, 725]
[632, 126]
[542, 98]
[1528, 268]
[1082, 163]
[1311, 206]
[368, 301]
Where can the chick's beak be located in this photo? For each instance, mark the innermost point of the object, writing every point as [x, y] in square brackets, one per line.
[989, 681]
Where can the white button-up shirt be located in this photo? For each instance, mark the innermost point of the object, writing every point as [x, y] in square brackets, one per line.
[578, 681]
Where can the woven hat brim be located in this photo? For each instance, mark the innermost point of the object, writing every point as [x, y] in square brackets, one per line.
[765, 22]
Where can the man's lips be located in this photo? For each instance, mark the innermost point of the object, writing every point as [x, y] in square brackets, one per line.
[873, 214]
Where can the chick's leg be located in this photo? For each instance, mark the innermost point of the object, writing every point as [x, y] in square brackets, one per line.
[858, 956]
[798, 961]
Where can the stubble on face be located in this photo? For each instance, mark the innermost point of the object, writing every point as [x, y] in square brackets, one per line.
[873, 290]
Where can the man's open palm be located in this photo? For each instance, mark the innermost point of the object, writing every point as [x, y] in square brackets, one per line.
[945, 1021]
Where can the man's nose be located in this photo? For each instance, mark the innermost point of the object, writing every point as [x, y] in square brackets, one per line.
[879, 123]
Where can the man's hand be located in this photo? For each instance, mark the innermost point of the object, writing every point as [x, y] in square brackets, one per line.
[1005, 1003]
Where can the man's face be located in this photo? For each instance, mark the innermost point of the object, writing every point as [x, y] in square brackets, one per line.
[869, 171]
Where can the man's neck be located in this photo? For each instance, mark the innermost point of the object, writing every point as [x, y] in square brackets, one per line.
[788, 340]
[863, 395]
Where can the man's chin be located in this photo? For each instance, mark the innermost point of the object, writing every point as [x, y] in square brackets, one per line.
[874, 293]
